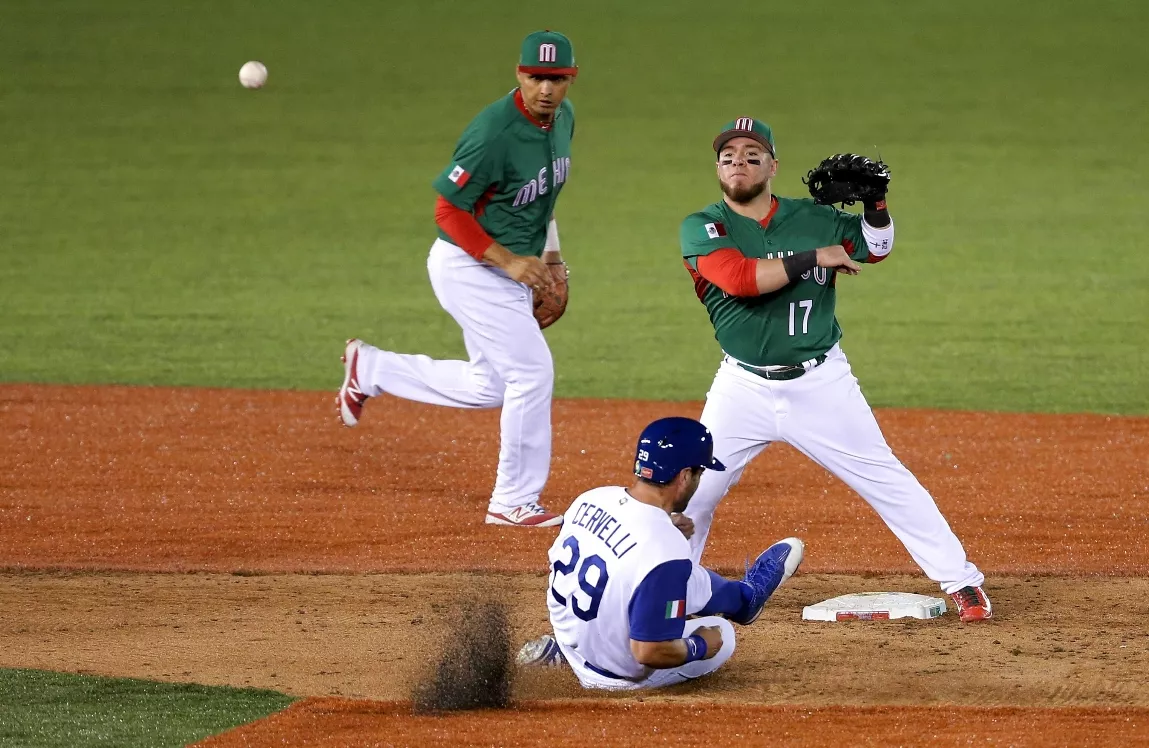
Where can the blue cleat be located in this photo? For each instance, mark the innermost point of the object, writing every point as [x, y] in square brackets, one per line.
[541, 652]
[774, 566]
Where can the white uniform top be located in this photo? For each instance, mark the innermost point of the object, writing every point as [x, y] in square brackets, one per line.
[619, 571]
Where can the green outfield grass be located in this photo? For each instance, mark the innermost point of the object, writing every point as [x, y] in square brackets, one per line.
[43, 709]
[159, 224]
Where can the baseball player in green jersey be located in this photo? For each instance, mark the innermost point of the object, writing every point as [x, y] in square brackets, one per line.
[765, 268]
[497, 248]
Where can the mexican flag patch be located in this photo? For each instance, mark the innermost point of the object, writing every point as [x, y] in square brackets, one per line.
[676, 609]
[459, 175]
[715, 230]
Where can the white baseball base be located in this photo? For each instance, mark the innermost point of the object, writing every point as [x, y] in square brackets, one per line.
[875, 606]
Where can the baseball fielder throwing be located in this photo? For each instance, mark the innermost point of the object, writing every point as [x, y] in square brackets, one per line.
[765, 268]
[622, 579]
[497, 253]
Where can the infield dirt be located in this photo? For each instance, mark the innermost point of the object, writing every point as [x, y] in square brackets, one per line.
[105, 491]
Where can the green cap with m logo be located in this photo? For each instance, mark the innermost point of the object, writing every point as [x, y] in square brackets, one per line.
[746, 127]
[547, 53]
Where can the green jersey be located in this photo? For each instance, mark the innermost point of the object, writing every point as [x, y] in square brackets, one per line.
[796, 323]
[508, 170]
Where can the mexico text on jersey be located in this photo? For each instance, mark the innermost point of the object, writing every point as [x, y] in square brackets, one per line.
[508, 170]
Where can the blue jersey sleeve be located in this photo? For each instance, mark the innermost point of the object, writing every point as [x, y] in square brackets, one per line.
[658, 605]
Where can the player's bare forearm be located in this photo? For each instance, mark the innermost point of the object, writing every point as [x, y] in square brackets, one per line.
[498, 256]
[770, 276]
[528, 270]
[676, 652]
[659, 655]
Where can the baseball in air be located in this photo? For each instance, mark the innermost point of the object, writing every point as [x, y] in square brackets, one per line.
[253, 74]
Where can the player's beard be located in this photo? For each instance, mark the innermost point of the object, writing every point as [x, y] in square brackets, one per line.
[745, 194]
[688, 492]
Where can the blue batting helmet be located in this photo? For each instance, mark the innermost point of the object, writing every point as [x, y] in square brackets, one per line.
[670, 445]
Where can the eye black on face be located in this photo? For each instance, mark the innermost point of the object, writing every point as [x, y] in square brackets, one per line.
[728, 160]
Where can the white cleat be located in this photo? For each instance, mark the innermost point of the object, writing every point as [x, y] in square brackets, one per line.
[528, 515]
[351, 399]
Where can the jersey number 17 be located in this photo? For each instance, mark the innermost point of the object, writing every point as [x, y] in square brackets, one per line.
[806, 305]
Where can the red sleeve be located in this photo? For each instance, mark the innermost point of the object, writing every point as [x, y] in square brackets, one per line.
[462, 227]
[730, 270]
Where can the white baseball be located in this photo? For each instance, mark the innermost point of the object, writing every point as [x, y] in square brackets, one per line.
[253, 74]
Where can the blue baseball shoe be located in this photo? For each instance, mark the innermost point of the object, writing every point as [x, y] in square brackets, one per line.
[774, 566]
[541, 652]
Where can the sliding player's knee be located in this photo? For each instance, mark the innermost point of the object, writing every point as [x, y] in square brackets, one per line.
[727, 629]
[727, 642]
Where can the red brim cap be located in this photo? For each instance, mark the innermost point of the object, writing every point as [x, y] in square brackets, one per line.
[728, 135]
[548, 71]
[547, 53]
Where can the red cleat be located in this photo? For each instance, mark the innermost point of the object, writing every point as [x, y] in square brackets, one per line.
[972, 604]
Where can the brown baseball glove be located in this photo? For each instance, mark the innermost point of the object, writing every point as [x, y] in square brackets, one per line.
[551, 303]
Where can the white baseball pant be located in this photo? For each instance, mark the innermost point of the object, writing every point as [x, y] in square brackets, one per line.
[824, 415]
[662, 677]
[509, 365]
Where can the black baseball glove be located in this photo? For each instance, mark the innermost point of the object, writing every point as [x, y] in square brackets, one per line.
[848, 178]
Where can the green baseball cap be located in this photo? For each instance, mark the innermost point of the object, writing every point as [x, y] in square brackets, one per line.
[547, 53]
[746, 127]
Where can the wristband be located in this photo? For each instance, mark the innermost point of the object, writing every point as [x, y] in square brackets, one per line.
[695, 648]
[876, 214]
[795, 265]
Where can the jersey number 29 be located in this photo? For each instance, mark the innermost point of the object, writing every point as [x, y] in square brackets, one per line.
[592, 591]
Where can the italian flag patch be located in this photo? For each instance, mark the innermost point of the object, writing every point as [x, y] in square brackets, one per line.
[715, 230]
[676, 609]
[459, 175]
